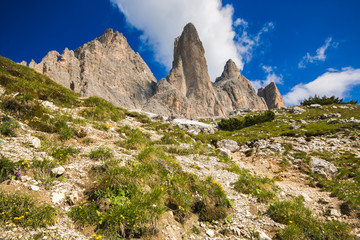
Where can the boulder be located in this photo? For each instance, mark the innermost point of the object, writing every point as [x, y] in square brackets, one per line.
[323, 167]
[58, 171]
[231, 145]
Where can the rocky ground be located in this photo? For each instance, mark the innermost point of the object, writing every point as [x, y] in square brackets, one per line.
[248, 218]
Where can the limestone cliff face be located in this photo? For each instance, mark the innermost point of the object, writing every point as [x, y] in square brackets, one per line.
[106, 67]
[191, 94]
[234, 91]
[272, 96]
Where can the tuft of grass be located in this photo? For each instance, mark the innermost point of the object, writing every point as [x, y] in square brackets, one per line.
[261, 187]
[136, 139]
[102, 153]
[42, 171]
[98, 109]
[8, 126]
[301, 223]
[21, 210]
[7, 169]
[61, 154]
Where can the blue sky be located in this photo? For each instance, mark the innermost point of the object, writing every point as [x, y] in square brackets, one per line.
[306, 47]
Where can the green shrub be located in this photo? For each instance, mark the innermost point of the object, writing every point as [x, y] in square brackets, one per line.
[232, 124]
[102, 153]
[8, 126]
[325, 101]
[21, 210]
[7, 169]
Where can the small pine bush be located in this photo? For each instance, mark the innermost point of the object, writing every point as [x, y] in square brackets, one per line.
[325, 100]
[232, 124]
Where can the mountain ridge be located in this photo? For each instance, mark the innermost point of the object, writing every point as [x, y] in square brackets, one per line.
[107, 67]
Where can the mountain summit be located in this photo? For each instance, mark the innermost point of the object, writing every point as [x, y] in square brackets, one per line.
[235, 92]
[191, 91]
[106, 67]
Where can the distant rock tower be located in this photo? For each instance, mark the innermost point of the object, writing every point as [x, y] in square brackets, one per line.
[272, 96]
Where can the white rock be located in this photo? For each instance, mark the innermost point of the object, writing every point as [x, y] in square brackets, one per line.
[318, 106]
[261, 235]
[225, 152]
[73, 198]
[306, 197]
[323, 167]
[57, 197]
[35, 188]
[210, 233]
[335, 213]
[58, 170]
[35, 142]
[228, 144]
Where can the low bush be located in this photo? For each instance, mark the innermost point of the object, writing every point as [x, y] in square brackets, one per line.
[325, 101]
[232, 124]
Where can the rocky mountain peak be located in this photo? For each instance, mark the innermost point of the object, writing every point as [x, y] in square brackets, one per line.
[189, 79]
[230, 71]
[235, 92]
[110, 36]
[106, 67]
[272, 96]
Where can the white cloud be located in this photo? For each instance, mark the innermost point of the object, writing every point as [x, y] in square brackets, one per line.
[320, 53]
[333, 83]
[163, 20]
[271, 76]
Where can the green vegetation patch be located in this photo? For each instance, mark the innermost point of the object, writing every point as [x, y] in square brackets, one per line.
[325, 100]
[98, 109]
[32, 85]
[7, 169]
[301, 223]
[232, 124]
[21, 210]
[261, 187]
[136, 139]
[127, 200]
[8, 126]
[102, 153]
[347, 181]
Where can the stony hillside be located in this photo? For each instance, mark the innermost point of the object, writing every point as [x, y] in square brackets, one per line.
[80, 168]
